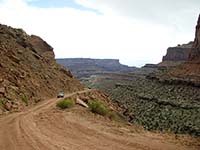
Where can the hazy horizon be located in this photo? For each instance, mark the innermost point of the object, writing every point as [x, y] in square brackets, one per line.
[135, 32]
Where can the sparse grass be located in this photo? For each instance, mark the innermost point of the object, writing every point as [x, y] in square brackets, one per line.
[1, 103]
[98, 108]
[24, 99]
[116, 117]
[66, 103]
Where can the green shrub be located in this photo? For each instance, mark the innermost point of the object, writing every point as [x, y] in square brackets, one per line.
[66, 103]
[1, 103]
[25, 100]
[98, 108]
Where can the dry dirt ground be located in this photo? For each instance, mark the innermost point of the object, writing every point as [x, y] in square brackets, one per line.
[45, 127]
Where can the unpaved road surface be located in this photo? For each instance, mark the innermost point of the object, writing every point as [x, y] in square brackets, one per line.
[45, 127]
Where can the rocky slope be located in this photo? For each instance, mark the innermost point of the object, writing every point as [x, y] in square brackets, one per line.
[176, 55]
[84, 67]
[153, 104]
[28, 70]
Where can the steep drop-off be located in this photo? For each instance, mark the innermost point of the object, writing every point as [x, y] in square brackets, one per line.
[28, 70]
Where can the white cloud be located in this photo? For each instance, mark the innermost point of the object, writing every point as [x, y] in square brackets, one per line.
[76, 33]
[160, 10]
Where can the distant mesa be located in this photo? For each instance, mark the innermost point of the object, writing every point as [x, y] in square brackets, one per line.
[176, 55]
[186, 53]
[189, 70]
[84, 67]
[150, 66]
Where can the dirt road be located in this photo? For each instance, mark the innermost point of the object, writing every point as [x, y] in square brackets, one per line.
[44, 127]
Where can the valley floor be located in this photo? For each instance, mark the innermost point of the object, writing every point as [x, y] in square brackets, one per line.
[45, 127]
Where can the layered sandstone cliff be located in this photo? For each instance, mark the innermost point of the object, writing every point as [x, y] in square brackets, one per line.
[176, 55]
[188, 72]
[194, 55]
[84, 67]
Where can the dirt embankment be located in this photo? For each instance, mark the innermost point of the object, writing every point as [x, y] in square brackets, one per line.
[28, 70]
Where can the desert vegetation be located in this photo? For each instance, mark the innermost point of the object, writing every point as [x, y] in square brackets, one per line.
[153, 104]
[24, 100]
[98, 108]
[66, 103]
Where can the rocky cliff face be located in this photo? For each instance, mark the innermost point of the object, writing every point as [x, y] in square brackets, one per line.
[28, 70]
[190, 70]
[187, 52]
[176, 55]
[83, 67]
[194, 55]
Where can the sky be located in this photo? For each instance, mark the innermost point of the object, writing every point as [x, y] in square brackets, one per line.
[135, 31]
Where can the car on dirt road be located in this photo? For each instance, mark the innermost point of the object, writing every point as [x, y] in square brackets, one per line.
[60, 94]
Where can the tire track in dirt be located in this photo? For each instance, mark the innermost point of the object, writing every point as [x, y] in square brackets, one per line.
[42, 127]
[19, 129]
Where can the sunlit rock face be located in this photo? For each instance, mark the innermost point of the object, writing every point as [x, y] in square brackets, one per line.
[28, 70]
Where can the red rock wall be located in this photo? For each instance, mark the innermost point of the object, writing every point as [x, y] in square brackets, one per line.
[194, 55]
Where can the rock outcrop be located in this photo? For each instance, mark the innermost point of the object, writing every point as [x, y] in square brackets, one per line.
[28, 70]
[84, 67]
[176, 55]
[194, 55]
[150, 66]
[191, 69]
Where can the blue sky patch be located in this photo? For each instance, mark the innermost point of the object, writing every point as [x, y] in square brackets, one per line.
[60, 4]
